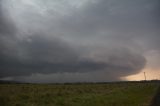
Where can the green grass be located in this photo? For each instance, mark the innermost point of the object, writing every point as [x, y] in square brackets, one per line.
[120, 94]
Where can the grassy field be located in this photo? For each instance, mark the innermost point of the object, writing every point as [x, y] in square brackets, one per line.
[113, 94]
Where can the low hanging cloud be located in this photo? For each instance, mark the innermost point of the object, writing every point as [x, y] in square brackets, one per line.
[41, 55]
[100, 40]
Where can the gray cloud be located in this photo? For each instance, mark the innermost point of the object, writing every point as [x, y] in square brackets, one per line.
[41, 55]
[6, 25]
[103, 36]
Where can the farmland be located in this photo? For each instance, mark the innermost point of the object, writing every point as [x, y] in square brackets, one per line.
[84, 94]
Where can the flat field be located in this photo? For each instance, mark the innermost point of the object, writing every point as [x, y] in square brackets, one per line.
[112, 94]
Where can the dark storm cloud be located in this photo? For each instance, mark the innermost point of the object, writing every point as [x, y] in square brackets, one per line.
[41, 55]
[124, 22]
[109, 36]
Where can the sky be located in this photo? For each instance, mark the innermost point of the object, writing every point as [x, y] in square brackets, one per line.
[47, 41]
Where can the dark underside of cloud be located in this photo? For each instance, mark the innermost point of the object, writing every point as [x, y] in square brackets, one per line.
[41, 55]
[108, 36]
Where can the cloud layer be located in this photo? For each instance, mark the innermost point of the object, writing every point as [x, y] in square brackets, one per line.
[102, 40]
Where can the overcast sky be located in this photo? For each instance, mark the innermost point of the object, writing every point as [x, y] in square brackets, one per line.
[78, 40]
